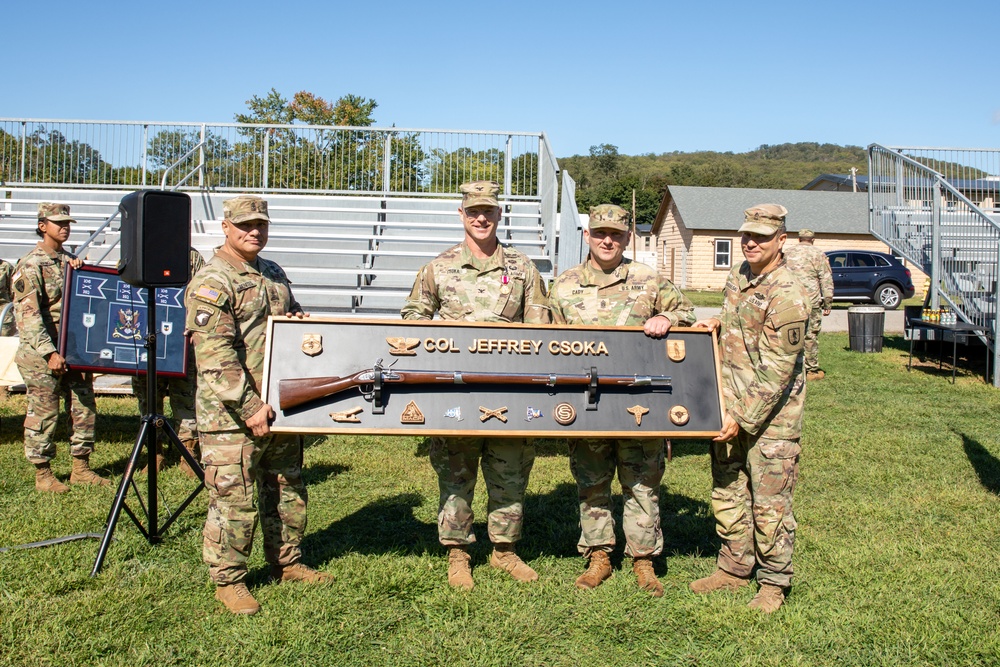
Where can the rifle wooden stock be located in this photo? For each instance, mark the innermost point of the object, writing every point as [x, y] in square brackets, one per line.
[298, 391]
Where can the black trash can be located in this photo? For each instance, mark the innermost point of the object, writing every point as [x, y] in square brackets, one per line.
[865, 326]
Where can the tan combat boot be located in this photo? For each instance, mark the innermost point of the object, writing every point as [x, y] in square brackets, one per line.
[505, 559]
[459, 569]
[815, 375]
[46, 481]
[299, 572]
[768, 599]
[161, 460]
[82, 474]
[191, 446]
[643, 568]
[237, 599]
[598, 570]
[720, 580]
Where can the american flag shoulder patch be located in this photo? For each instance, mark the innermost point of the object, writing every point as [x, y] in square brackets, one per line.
[206, 293]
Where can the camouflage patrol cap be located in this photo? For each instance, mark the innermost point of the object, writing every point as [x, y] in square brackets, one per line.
[245, 208]
[479, 193]
[764, 219]
[54, 212]
[806, 234]
[608, 216]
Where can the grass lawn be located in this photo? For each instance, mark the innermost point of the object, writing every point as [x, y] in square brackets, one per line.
[897, 512]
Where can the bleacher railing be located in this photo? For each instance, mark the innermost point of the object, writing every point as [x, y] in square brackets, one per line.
[940, 208]
[271, 158]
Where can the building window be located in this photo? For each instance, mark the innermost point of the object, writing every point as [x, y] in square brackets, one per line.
[723, 253]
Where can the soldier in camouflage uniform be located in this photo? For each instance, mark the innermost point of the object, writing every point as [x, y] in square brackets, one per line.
[181, 391]
[610, 290]
[6, 296]
[38, 292]
[755, 457]
[811, 266]
[228, 303]
[480, 280]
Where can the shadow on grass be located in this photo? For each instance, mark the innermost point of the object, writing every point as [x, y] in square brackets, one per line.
[547, 447]
[986, 465]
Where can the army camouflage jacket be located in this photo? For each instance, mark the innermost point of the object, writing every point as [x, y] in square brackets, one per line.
[811, 266]
[228, 303]
[503, 288]
[629, 295]
[760, 344]
[38, 291]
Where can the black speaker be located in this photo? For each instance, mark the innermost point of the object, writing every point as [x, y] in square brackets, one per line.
[156, 238]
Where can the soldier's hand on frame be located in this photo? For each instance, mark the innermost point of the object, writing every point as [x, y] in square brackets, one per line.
[260, 423]
[299, 314]
[730, 429]
[711, 324]
[76, 262]
[57, 363]
[657, 326]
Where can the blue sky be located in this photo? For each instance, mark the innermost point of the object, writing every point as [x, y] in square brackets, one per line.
[649, 77]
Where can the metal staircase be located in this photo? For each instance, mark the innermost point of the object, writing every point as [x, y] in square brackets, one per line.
[940, 209]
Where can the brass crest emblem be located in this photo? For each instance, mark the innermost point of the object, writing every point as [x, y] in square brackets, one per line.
[411, 414]
[488, 414]
[637, 411]
[402, 347]
[564, 414]
[675, 350]
[679, 415]
[348, 416]
[312, 344]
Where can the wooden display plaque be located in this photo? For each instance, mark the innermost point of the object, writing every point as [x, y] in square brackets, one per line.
[518, 380]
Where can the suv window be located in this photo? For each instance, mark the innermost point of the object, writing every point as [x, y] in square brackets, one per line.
[838, 260]
[861, 259]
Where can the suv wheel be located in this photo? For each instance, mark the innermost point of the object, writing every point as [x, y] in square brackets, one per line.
[888, 296]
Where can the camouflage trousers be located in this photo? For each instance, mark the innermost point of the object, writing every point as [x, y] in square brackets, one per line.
[753, 481]
[44, 393]
[506, 466]
[181, 391]
[234, 463]
[7, 327]
[811, 343]
[639, 464]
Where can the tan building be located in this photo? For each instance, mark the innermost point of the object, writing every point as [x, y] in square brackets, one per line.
[697, 242]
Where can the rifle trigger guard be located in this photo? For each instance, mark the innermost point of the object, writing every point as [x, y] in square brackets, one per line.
[592, 389]
[378, 408]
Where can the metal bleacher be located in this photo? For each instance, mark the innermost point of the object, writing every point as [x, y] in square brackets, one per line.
[940, 209]
[347, 248]
[342, 254]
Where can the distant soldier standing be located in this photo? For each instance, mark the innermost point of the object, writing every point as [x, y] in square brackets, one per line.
[755, 457]
[480, 280]
[6, 296]
[610, 290]
[38, 294]
[181, 390]
[811, 266]
[228, 303]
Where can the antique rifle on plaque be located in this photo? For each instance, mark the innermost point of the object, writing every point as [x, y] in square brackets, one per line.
[299, 391]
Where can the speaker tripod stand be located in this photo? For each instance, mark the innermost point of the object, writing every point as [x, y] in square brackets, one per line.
[150, 423]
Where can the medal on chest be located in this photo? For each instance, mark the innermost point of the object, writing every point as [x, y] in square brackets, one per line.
[505, 284]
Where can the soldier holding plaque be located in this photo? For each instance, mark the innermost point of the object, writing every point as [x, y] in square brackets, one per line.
[755, 457]
[610, 290]
[480, 280]
[228, 303]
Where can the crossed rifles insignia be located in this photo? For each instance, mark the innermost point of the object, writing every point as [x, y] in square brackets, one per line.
[498, 413]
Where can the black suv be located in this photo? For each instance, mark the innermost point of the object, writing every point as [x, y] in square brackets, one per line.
[859, 275]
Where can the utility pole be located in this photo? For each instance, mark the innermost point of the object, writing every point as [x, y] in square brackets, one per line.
[635, 229]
